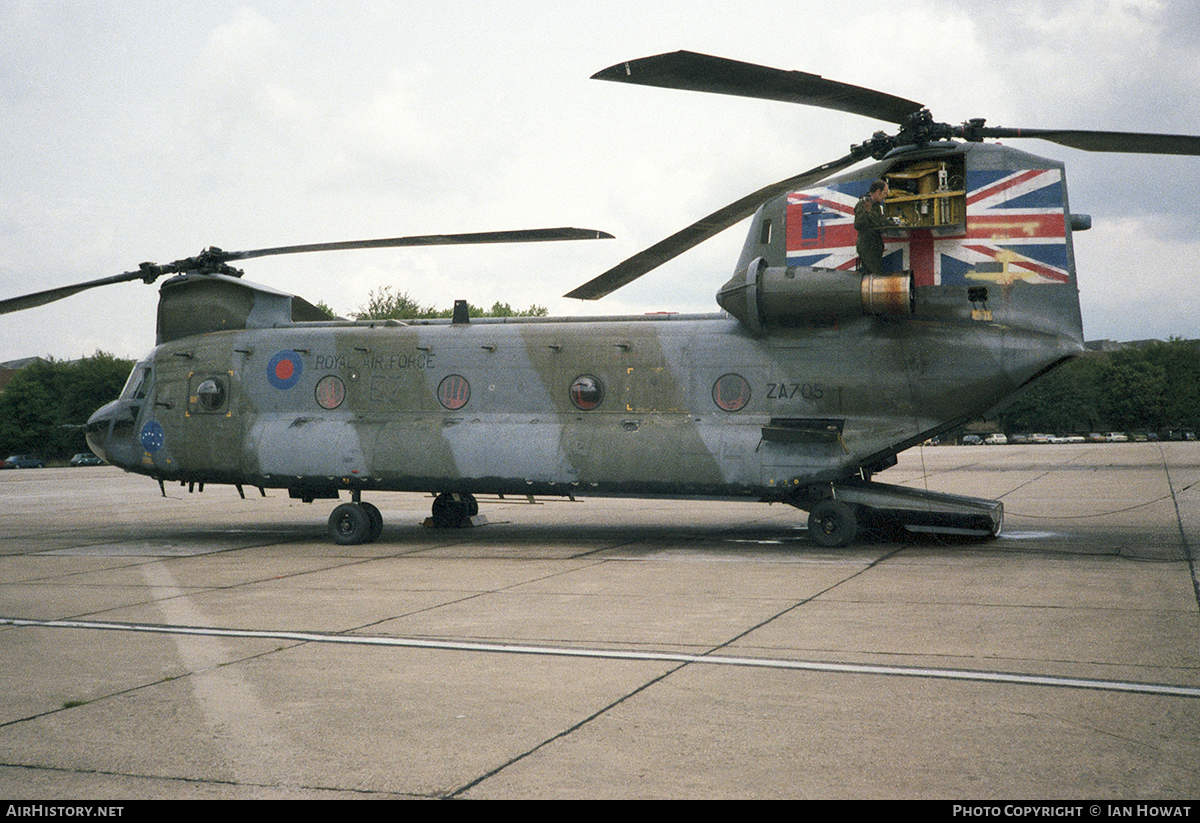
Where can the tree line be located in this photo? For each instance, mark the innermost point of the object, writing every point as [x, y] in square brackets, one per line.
[1154, 387]
[44, 407]
[388, 304]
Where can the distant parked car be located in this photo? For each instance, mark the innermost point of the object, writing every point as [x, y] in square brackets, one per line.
[23, 461]
[972, 440]
[1118, 437]
[86, 459]
[996, 439]
[1097, 437]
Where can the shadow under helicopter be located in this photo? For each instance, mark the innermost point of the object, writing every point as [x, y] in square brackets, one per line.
[510, 539]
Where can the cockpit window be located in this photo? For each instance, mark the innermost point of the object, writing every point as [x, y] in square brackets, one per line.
[137, 384]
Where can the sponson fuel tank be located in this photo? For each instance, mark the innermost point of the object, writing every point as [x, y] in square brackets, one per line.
[763, 296]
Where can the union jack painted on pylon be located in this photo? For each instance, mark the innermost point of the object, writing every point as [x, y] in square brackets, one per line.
[1015, 231]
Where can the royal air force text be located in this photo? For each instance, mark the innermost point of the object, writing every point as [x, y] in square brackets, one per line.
[381, 362]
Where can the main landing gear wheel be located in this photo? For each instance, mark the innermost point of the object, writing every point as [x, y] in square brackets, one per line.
[452, 510]
[355, 523]
[832, 524]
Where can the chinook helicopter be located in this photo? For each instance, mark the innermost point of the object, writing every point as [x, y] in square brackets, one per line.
[811, 380]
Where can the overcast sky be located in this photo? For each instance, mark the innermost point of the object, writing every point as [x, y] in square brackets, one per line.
[140, 131]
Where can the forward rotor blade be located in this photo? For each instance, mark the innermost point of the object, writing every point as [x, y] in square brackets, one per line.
[1117, 141]
[701, 72]
[41, 298]
[626, 272]
[517, 236]
[207, 260]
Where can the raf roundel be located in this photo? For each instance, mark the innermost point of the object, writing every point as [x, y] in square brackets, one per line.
[285, 369]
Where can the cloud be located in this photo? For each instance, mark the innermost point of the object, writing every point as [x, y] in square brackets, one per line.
[148, 131]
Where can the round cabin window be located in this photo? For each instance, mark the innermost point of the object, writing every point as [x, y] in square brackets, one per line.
[331, 391]
[731, 392]
[587, 392]
[454, 391]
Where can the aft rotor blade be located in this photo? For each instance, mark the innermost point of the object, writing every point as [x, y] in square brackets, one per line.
[41, 298]
[518, 236]
[718, 75]
[1117, 141]
[626, 272]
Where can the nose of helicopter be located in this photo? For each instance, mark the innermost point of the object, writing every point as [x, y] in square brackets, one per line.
[98, 430]
[110, 434]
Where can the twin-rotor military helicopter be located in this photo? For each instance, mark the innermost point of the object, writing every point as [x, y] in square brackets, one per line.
[813, 378]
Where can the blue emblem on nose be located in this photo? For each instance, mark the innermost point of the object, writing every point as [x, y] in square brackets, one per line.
[152, 436]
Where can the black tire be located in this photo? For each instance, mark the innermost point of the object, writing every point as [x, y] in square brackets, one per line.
[376, 521]
[450, 511]
[832, 524]
[350, 525]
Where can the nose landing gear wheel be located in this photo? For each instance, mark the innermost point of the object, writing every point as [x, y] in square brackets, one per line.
[349, 524]
[376, 521]
[355, 523]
